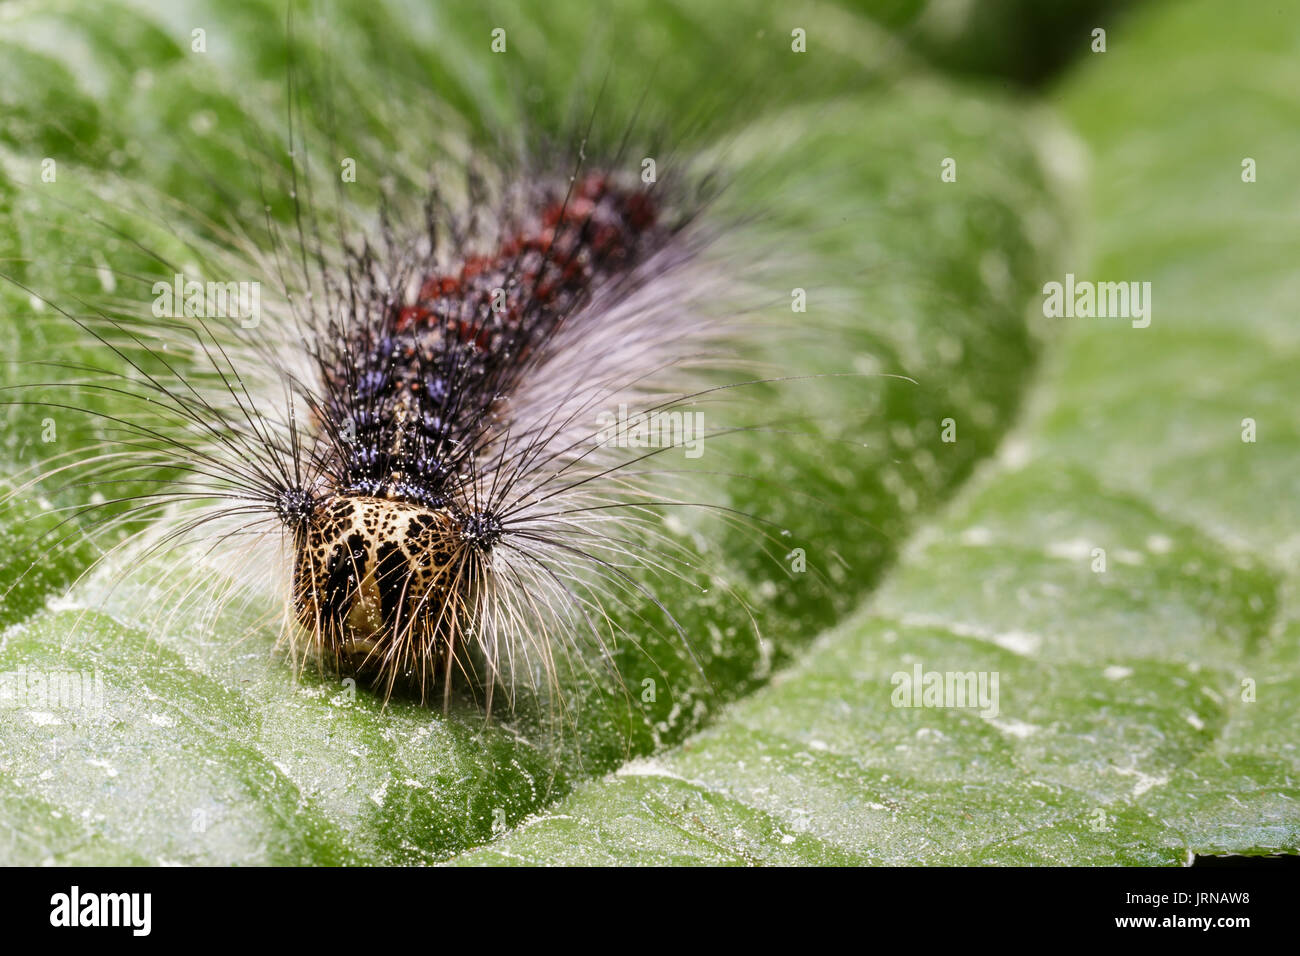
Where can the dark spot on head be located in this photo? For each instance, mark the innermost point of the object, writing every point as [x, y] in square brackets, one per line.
[345, 569]
[295, 506]
[481, 529]
[392, 575]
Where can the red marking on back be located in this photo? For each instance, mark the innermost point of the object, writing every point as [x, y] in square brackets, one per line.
[593, 229]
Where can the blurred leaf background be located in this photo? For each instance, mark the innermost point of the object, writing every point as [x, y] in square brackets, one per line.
[1123, 735]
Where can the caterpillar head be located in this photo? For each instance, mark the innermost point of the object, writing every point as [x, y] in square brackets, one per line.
[386, 587]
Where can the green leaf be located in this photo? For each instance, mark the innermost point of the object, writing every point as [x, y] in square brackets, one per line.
[203, 746]
[1147, 712]
[1027, 41]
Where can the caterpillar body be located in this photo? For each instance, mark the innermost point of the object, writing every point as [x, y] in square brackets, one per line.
[411, 447]
[393, 541]
[420, 414]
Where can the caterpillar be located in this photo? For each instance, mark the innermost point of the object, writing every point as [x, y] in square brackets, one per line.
[434, 443]
[425, 469]
[409, 434]
[440, 442]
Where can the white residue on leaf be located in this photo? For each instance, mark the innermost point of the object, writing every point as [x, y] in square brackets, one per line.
[59, 601]
[43, 718]
[1018, 642]
[104, 765]
[647, 767]
[1075, 549]
[1117, 672]
[1159, 544]
[1014, 453]
[1144, 781]
[670, 721]
[1016, 728]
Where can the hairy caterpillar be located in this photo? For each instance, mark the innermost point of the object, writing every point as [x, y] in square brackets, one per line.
[410, 438]
[431, 490]
[441, 419]
[215, 440]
